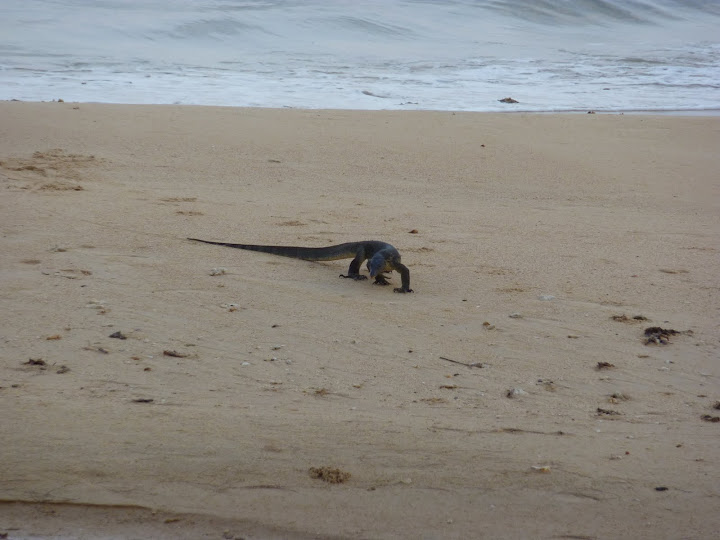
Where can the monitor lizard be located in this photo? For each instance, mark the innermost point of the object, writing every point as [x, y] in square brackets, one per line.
[381, 258]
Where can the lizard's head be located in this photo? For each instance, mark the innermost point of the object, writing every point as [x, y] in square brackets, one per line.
[376, 264]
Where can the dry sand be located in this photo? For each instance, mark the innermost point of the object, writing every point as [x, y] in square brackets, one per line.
[533, 231]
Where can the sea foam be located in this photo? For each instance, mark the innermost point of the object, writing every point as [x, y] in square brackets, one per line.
[444, 55]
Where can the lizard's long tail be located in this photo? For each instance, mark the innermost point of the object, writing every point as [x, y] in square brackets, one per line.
[329, 253]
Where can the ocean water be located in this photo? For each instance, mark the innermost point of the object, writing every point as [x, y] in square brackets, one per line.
[549, 55]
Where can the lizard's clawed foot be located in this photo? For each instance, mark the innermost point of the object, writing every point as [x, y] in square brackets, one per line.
[356, 277]
[402, 290]
[381, 280]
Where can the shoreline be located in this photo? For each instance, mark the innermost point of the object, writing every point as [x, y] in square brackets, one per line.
[140, 370]
[635, 112]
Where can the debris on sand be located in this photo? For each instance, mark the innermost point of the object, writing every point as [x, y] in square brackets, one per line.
[470, 365]
[96, 349]
[661, 336]
[329, 474]
[175, 354]
[36, 362]
[515, 392]
[607, 412]
[624, 318]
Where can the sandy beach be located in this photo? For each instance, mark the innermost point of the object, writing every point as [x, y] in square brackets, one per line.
[153, 387]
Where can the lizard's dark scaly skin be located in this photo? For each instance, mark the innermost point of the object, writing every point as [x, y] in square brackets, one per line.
[381, 258]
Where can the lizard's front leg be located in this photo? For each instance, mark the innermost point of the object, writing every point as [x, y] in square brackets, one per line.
[356, 277]
[354, 270]
[405, 276]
